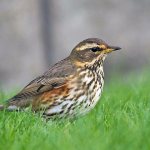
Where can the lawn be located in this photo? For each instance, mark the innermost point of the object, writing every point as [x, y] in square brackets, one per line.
[120, 121]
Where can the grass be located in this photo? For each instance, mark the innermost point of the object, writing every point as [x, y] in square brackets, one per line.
[120, 121]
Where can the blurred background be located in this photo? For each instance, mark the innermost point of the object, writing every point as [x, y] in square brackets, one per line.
[37, 33]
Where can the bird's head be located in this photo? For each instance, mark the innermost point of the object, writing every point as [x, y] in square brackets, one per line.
[90, 51]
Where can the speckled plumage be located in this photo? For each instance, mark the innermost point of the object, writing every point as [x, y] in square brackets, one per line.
[71, 87]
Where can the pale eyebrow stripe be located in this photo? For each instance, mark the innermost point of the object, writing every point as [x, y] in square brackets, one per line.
[86, 46]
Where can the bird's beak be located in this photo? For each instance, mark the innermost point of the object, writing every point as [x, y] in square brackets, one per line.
[111, 48]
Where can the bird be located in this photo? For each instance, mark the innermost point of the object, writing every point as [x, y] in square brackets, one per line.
[70, 88]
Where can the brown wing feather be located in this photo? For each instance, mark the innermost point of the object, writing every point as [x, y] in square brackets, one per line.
[54, 78]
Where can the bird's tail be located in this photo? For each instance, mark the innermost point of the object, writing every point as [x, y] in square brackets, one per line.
[10, 105]
[8, 108]
[15, 104]
[1, 107]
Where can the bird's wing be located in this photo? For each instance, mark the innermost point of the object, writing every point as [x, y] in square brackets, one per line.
[54, 78]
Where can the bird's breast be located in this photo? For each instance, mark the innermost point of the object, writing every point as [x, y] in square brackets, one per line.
[89, 88]
[80, 95]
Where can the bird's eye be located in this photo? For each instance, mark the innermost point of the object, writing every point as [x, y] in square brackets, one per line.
[95, 49]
